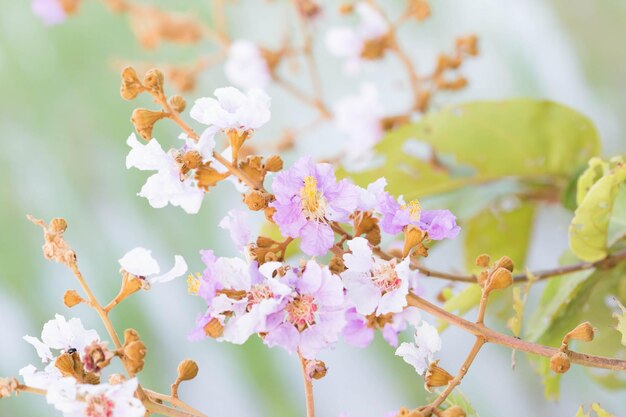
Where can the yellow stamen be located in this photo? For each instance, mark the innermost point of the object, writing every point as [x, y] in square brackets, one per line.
[193, 284]
[312, 201]
[415, 210]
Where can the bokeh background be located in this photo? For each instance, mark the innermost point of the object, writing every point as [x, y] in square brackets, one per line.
[63, 128]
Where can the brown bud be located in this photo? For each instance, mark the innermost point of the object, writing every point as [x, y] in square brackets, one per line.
[454, 411]
[134, 351]
[483, 260]
[482, 278]
[131, 86]
[436, 376]
[504, 262]
[154, 80]
[178, 103]
[315, 369]
[336, 265]
[144, 120]
[71, 298]
[58, 225]
[256, 200]
[501, 278]
[584, 332]
[187, 370]
[559, 362]
[405, 412]
[274, 163]
[214, 328]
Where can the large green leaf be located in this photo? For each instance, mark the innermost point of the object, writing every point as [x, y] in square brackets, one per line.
[483, 141]
[598, 188]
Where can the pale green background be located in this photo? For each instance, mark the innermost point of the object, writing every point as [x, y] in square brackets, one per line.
[63, 129]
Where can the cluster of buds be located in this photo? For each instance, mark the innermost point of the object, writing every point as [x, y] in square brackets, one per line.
[497, 277]
[55, 247]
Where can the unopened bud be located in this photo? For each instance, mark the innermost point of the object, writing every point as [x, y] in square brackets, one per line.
[71, 298]
[315, 369]
[501, 278]
[405, 412]
[256, 200]
[274, 163]
[58, 225]
[154, 80]
[131, 86]
[559, 362]
[8, 386]
[134, 351]
[187, 370]
[413, 236]
[504, 262]
[483, 260]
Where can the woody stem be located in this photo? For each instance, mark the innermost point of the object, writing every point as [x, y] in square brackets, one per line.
[308, 389]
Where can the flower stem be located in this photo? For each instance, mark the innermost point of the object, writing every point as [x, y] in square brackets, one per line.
[308, 389]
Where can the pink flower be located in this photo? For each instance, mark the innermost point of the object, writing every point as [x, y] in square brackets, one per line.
[308, 197]
[359, 329]
[313, 316]
[374, 285]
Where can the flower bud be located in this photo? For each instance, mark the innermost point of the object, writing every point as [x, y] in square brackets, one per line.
[71, 298]
[144, 120]
[8, 386]
[274, 163]
[187, 370]
[178, 103]
[256, 200]
[134, 351]
[501, 278]
[483, 260]
[454, 411]
[131, 86]
[58, 225]
[584, 332]
[413, 236]
[559, 362]
[436, 376]
[154, 80]
[504, 262]
[315, 369]
[405, 412]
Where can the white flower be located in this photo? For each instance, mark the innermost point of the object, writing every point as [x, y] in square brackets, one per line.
[374, 285]
[166, 185]
[139, 262]
[40, 379]
[245, 66]
[237, 224]
[103, 400]
[233, 109]
[348, 43]
[359, 118]
[421, 354]
[62, 335]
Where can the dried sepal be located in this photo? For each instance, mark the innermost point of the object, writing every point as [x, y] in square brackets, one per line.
[131, 85]
[55, 248]
[133, 351]
[214, 328]
[336, 265]
[436, 376]
[208, 177]
[8, 386]
[71, 298]
[178, 103]
[413, 238]
[274, 163]
[418, 9]
[583, 332]
[315, 369]
[253, 167]
[144, 120]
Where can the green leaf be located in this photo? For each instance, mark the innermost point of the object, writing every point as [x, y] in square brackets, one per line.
[588, 231]
[484, 141]
[499, 233]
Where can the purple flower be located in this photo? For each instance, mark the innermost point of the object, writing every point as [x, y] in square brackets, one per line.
[313, 317]
[359, 329]
[308, 197]
[440, 224]
[49, 11]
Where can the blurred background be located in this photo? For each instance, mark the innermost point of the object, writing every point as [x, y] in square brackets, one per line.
[62, 150]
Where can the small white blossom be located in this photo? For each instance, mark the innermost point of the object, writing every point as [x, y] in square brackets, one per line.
[233, 109]
[359, 118]
[103, 400]
[348, 43]
[245, 66]
[421, 354]
[61, 335]
[40, 379]
[166, 186]
[139, 262]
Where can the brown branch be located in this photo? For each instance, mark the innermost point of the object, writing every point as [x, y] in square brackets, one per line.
[308, 388]
[493, 336]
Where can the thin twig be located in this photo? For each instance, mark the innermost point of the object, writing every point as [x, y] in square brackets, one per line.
[308, 389]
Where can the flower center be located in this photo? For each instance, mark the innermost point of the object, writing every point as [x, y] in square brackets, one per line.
[415, 210]
[258, 293]
[301, 311]
[313, 203]
[385, 277]
[99, 406]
